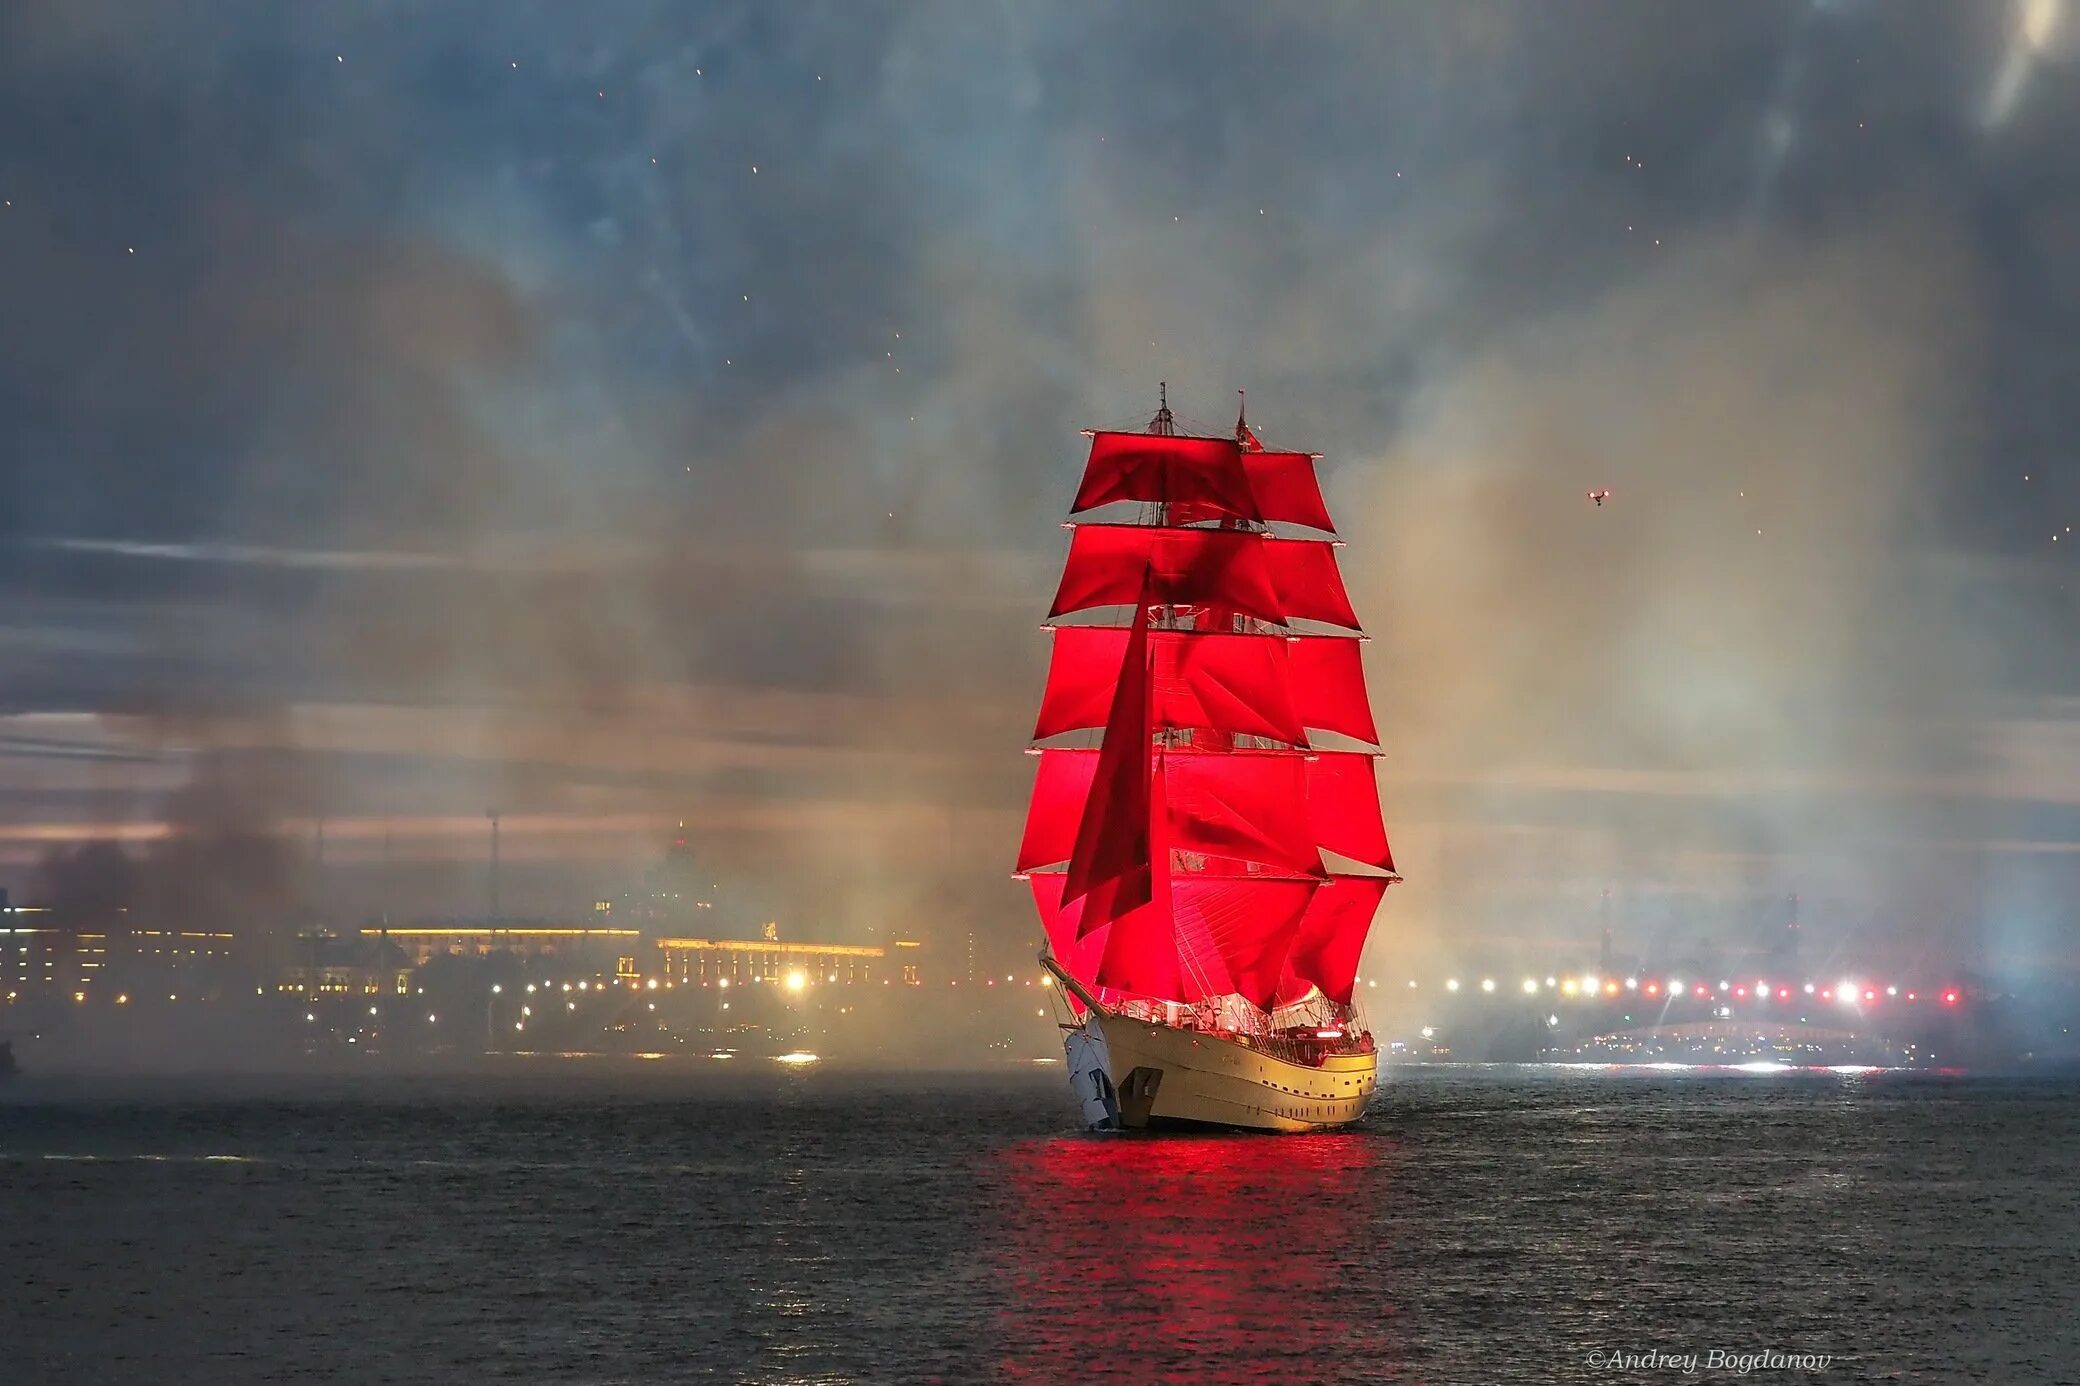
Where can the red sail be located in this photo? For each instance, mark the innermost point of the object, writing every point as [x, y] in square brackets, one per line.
[1328, 682]
[1235, 932]
[1111, 862]
[1246, 806]
[1194, 863]
[1060, 791]
[1267, 807]
[1332, 936]
[1076, 953]
[1224, 567]
[1213, 936]
[1254, 574]
[1204, 478]
[1154, 467]
[1257, 685]
[1205, 679]
[1285, 488]
[1304, 572]
[1343, 801]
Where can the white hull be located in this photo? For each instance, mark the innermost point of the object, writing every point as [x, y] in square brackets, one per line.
[1156, 1075]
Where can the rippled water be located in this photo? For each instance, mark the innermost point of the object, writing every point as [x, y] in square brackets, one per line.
[592, 1223]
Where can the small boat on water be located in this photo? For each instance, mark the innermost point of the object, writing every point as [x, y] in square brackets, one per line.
[1207, 871]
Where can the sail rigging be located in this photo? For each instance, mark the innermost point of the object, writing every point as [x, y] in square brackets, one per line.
[1182, 859]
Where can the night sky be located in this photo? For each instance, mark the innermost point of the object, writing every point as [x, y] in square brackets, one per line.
[622, 414]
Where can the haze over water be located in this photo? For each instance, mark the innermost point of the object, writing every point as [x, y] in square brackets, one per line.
[603, 1222]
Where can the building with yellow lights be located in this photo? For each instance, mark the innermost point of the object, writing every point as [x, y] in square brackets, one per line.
[38, 956]
[328, 965]
[746, 960]
[422, 942]
[627, 953]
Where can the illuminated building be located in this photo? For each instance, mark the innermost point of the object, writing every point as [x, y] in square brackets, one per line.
[568, 942]
[334, 966]
[749, 960]
[56, 958]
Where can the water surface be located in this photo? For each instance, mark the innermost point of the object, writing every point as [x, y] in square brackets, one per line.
[601, 1222]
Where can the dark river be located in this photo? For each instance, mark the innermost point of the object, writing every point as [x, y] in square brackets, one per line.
[612, 1221]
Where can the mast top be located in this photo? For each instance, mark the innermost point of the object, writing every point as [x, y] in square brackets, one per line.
[1163, 422]
[1243, 433]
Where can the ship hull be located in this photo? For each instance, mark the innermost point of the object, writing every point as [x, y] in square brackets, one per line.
[1156, 1076]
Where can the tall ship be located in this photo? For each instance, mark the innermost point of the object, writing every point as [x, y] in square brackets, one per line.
[1205, 844]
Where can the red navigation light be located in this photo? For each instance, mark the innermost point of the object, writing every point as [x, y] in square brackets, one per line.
[1703, 990]
[1870, 996]
[1949, 998]
[1827, 993]
[1741, 992]
[1783, 993]
[1913, 996]
[1653, 988]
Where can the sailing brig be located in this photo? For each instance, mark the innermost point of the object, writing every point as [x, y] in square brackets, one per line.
[1205, 866]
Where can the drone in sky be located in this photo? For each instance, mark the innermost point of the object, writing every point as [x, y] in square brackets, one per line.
[1600, 497]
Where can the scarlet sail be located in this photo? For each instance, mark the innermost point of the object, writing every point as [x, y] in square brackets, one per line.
[1270, 808]
[1326, 948]
[1206, 478]
[1273, 686]
[1181, 860]
[1251, 573]
[1112, 862]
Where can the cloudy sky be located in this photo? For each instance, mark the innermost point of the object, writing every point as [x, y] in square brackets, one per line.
[631, 413]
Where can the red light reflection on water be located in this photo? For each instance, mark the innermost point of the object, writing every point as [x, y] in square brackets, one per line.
[1203, 1257]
